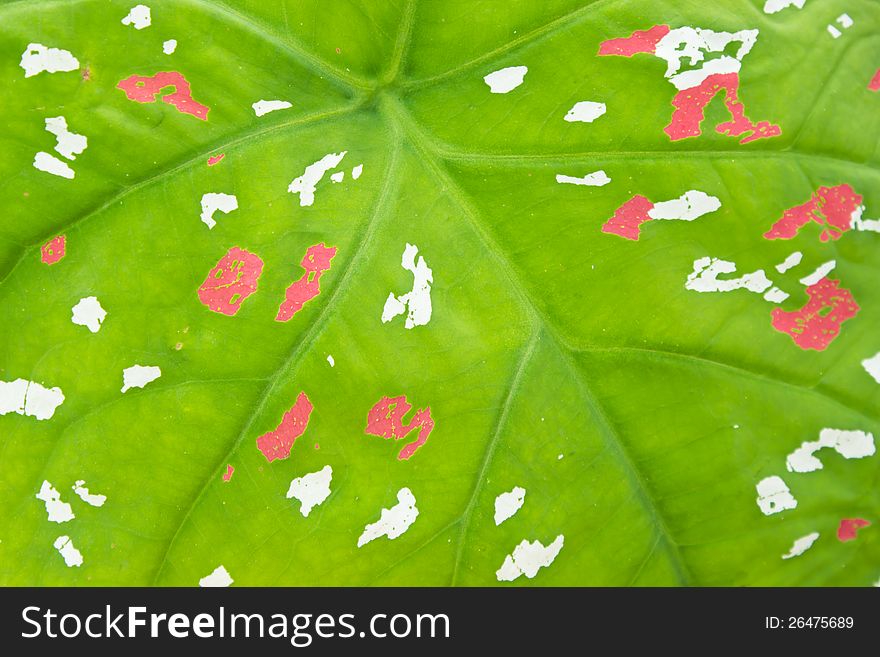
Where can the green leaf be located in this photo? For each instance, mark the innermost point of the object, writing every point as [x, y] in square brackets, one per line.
[638, 415]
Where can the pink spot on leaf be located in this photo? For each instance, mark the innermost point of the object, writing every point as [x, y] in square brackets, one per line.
[277, 444]
[638, 42]
[53, 250]
[316, 261]
[385, 420]
[231, 281]
[816, 324]
[690, 105]
[849, 528]
[214, 159]
[831, 207]
[144, 89]
[628, 217]
[874, 84]
[229, 471]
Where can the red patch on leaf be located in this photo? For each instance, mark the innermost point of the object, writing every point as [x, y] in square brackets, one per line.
[874, 84]
[144, 89]
[277, 444]
[690, 105]
[53, 250]
[231, 281]
[628, 217]
[638, 42]
[849, 528]
[316, 261]
[228, 474]
[385, 420]
[816, 324]
[831, 207]
[214, 159]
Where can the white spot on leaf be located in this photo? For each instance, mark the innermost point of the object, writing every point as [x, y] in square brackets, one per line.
[41, 402]
[595, 179]
[507, 504]
[29, 398]
[394, 521]
[774, 6]
[705, 277]
[528, 558]
[418, 300]
[849, 444]
[821, 272]
[69, 144]
[331, 361]
[857, 223]
[690, 46]
[168, 47]
[89, 498]
[801, 545]
[872, 366]
[337, 177]
[691, 205]
[213, 201]
[51, 164]
[12, 396]
[137, 376]
[138, 17]
[357, 171]
[775, 295]
[844, 21]
[793, 260]
[505, 80]
[306, 184]
[218, 578]
[37, 58]
[585, 111]
[57, 510]
[311, 489]
[66, 548]
[262, 107]
[774, 496]
[89, 313]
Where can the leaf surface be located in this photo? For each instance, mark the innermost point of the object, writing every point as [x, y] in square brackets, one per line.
[638, 415]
